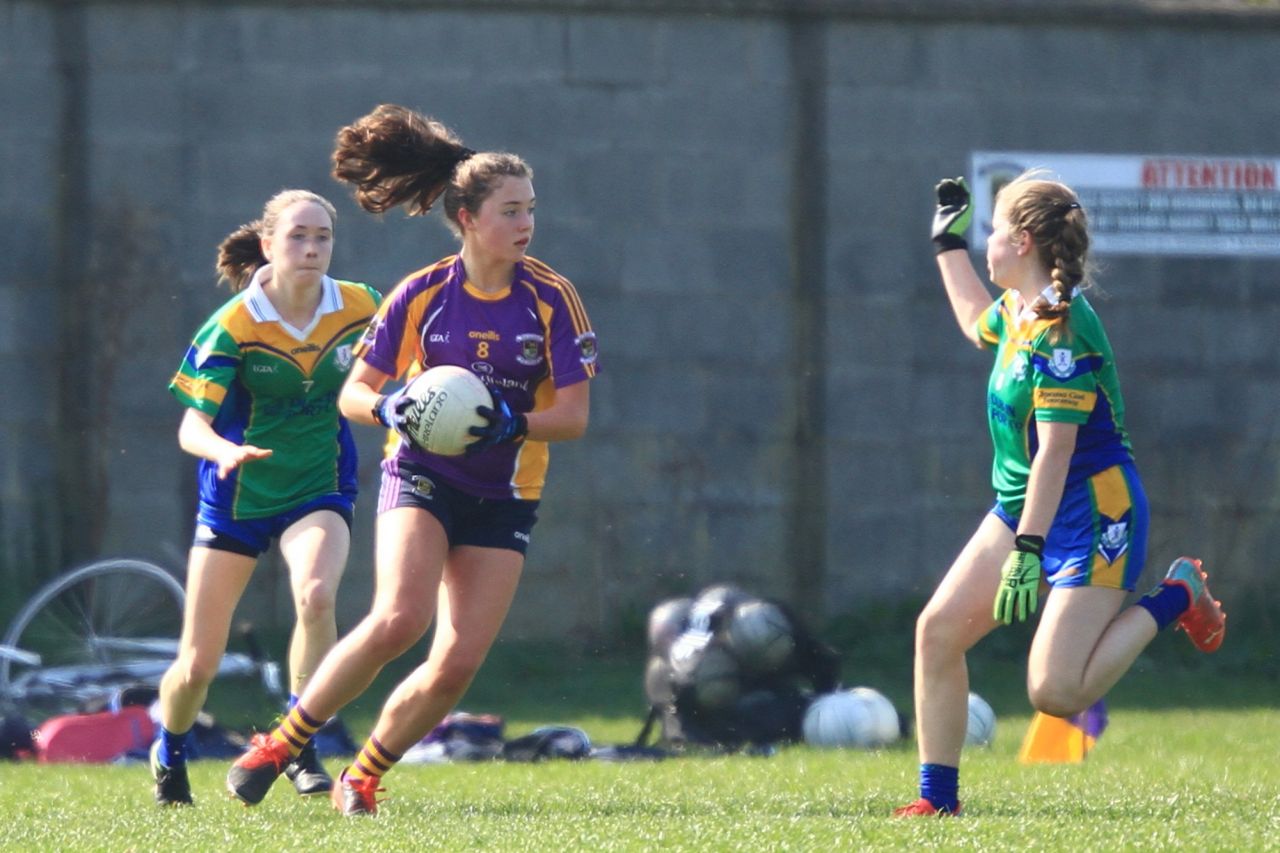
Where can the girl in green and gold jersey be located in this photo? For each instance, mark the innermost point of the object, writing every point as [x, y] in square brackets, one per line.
[1070, 513]
[260, 382]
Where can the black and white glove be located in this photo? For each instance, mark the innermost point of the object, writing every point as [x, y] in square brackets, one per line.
[953, 216]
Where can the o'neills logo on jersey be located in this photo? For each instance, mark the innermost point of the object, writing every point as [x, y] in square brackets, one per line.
[530, 349]
[490, 335]
[302, 349]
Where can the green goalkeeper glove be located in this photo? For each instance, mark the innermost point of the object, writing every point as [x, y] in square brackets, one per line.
[953, 216]
[1019, 580]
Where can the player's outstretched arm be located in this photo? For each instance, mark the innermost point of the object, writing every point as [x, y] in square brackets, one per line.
[197, 437]
[951, 219]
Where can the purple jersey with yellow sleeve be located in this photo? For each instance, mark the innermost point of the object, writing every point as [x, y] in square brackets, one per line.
[526, 340]
[1048, 370]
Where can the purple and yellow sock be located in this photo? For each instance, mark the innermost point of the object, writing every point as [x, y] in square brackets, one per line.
[297, 729]
[373, 761]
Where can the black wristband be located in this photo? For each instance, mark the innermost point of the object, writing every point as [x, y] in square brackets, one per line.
[522, 428]
[1029, 543]
[946, 242]
[377, 411]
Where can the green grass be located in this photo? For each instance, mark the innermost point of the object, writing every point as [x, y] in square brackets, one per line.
[1204, 779]
[1189, 762]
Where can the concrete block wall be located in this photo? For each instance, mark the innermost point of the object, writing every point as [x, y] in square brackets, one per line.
[670, 145]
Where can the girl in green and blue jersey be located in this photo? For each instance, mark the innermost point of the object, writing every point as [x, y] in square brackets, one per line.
[260, 383]
[1070, 513]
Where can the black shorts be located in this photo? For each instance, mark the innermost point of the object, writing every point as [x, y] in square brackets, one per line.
[467, 519]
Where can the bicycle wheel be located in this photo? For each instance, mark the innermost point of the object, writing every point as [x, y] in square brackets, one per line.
[97, 627]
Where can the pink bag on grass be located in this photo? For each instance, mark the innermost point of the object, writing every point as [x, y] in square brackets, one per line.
[100, 737]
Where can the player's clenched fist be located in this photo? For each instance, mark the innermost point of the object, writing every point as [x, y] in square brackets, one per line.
[954, 214]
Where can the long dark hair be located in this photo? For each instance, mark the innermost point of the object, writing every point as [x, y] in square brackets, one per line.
[395, 156]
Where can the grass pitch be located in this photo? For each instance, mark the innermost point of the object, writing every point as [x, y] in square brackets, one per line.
[1189, 762]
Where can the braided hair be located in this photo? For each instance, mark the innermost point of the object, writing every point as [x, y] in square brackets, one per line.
[1051, 213]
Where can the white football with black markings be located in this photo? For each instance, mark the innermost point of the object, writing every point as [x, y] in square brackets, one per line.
[444, 409]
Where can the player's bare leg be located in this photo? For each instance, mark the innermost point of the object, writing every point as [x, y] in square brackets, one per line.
[476, 593]
[955, 619]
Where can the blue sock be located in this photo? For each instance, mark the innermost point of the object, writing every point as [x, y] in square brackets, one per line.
[940, 785]
[293, 700]
[173, 748]
[1166, 603]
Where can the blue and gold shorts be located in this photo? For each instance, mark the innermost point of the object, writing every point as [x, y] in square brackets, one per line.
[1099, 536]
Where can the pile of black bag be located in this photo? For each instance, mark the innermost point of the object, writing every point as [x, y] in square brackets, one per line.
[729, 670]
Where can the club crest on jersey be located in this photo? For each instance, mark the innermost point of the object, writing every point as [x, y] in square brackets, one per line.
[422, 486]
[587, 347]
[1114, 541]
[1062, 365]
[530, 349]
[342, 355]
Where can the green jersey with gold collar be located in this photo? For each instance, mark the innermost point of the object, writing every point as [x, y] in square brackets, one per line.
[274, 386]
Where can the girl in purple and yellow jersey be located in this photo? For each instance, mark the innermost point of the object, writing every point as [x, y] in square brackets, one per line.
[1070, 511]
[260, 383]
[452, 532]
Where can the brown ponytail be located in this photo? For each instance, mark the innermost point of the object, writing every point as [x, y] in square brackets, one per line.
[395, 156]
[239, 255]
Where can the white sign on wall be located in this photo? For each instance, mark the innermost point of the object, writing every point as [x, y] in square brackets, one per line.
[1151, 204]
